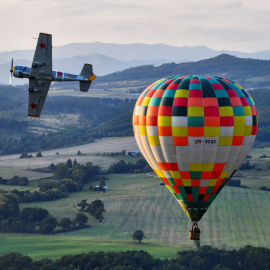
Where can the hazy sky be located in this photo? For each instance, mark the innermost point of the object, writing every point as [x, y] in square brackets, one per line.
[232, 25]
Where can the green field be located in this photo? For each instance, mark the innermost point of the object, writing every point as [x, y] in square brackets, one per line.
[120, 186]
[256, 178]
[236, 218]
[53, 247]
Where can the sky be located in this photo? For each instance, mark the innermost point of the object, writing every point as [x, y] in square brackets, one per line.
[220, 25]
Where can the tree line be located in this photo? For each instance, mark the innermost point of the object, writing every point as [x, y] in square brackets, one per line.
[31, 220]
[67, 180]
[14, 181]
[141, 166]
[205, 258]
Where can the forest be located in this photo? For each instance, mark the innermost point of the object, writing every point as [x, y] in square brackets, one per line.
[204, 258]
[226, 65]
[98, 118]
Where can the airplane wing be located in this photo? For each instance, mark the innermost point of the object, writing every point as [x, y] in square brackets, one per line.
[42, 71]
[42, 62]
[37, 100]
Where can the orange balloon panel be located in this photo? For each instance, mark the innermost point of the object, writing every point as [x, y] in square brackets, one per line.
[195, 131]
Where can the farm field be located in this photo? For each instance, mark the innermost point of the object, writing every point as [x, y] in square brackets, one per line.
[260, 175]
[53, 247]
[111, 93]
[7, 172]
[237, 217]
[49, 156]
[120, 186]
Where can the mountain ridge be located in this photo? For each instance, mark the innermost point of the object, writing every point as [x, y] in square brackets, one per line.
[134, 51]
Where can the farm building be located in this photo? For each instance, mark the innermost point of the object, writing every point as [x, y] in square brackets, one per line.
[134, 154]
[104, 187]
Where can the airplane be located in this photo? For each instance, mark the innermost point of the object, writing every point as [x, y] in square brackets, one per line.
[41, 75]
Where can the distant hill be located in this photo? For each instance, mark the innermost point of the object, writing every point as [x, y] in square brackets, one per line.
[102, 65]
[135, 51]
[223, 65]
[108, 57]
[117, 127]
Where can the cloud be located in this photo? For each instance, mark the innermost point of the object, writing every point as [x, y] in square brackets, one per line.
[235, 5]
[234, 25]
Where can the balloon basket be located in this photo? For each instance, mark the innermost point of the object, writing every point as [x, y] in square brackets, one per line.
[194, 232]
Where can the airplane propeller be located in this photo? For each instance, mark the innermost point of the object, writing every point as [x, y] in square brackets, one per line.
[11, 71]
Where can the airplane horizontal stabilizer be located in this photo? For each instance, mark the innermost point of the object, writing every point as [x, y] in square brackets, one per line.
[84, 86]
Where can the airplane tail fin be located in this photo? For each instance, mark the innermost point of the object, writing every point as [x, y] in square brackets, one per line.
[87, 72]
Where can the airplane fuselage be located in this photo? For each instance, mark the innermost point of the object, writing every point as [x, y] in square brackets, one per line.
[57, 76]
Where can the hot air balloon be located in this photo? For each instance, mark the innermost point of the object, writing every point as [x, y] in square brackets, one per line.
[195, 131]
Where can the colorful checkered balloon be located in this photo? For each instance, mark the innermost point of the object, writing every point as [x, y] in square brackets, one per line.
[195, 131]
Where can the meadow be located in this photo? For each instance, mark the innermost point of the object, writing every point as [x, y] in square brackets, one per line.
[50, 156]
[53, 247]
[237, 217]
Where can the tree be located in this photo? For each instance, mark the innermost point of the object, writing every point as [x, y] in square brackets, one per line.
[57, 153]
[79, 174]
[81, 219]
[102, 182]
[39, 154]
[74, 163]
[48, 225]
[52, 167]
[79, 153]
[69, 163]
[99, 212]
[61, 171]
[25, 155]
[90, 187]
[82, 204]
[138, 235]
[93, 206]
[65, 223]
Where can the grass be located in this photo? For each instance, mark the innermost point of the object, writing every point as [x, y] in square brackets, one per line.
[128, 158]
[238, 217]
[7, 172]
[120, 186]
[53, 247]
[256, 178]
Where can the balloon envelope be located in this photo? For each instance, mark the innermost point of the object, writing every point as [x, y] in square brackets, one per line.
[195, 131]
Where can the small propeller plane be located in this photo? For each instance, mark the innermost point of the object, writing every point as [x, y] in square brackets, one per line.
[41, 75]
